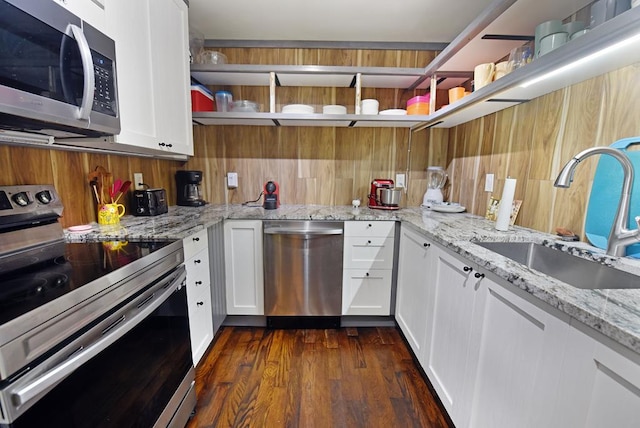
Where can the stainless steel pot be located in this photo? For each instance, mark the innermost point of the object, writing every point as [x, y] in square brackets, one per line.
[390, 196]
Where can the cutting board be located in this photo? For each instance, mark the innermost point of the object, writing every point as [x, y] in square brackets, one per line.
[605, 196]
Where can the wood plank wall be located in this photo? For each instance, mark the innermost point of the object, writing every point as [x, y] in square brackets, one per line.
[67, 171]
[531, 142]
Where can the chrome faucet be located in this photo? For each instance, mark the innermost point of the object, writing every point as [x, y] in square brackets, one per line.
[619, 236]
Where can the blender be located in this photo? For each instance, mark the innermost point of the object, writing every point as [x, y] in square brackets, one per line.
[436, 178]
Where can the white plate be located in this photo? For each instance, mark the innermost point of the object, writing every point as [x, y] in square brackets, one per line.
[448, 208]
[394, 112]
[298, 108]
[80, 228]
[334, 109]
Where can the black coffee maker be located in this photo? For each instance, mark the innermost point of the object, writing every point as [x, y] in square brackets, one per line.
[188, 188]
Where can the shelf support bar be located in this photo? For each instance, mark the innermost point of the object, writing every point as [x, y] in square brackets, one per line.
[433, 90]
[272, 92]
[358, 92]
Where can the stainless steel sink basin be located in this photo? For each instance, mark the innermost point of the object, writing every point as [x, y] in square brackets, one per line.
[563, 266]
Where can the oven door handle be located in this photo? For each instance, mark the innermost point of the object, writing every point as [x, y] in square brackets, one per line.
[134, 313]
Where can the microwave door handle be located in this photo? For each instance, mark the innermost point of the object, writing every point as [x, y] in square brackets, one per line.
[87, 69]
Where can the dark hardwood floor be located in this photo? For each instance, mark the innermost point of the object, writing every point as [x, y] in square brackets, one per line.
[353, 377]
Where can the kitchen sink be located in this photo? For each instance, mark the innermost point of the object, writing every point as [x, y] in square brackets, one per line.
[578, 272]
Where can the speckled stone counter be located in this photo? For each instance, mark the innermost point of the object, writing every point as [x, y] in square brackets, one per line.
[613, 312]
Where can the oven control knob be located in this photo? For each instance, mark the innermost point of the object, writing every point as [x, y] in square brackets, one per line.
[21, 199]
[44, 197]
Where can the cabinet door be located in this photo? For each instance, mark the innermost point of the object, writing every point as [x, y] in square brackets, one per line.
[366, 292]
[243, 267]
[514, 362]
[415, 287]
[129, 23]
[449, 332]
[200, 320]
[171, 75]
[91, 11]
[599, 385]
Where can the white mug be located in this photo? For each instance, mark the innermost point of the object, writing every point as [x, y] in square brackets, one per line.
[370, 106]
[483, 75]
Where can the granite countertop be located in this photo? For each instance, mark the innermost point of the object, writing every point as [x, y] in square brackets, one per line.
[613, 312]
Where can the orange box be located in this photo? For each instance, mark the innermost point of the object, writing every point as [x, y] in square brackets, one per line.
[418, 108]
[455, 94]
[201, 98]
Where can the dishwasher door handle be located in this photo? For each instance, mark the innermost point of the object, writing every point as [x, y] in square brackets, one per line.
[285, 231]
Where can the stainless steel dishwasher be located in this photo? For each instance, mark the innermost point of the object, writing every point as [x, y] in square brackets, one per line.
[302, 271]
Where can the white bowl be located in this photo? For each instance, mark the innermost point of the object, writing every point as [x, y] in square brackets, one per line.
[394, 112]
[298, 108]
[334, 109]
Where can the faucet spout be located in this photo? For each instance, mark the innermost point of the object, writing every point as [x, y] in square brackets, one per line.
[620, 236]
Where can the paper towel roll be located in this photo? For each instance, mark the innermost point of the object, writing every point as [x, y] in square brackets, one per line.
[506, 202]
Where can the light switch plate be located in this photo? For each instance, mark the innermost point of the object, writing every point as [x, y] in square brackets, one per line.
[400, 180]
[488, 183]
[232, 180]
[138, 181]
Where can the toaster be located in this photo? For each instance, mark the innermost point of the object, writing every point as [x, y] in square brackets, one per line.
[149, 202]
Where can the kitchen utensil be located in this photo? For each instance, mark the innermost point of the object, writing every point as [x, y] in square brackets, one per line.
[109, 214]
[124, 187]
[448, 208]
[391, 196]
[223, 100]
[572, 27]
[521, 56]
[605, 195]
[189, 190]
[245, 106]
[456, 94]
[544, 29]
[436, 179]
[393, 112]
[551, 42]
[94, 187]
[334, 109]
[298, 109]
[370, 106]
[115, 189]
[483, 75]
[212, 57]
[391, 199]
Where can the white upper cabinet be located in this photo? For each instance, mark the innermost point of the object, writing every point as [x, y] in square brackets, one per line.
[153, 74]
[91, 11]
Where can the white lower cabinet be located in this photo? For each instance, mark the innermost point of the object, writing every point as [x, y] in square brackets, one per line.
[415, 287]
[196, 252]
[499, 357]
[244, 276]
[599, 383]
[367, 267]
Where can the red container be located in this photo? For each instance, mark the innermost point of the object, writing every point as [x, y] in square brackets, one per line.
[201, 98]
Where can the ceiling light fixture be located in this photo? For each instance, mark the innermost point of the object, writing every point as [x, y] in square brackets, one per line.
[604, 51]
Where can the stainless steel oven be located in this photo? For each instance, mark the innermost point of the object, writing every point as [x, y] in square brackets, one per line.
[91, 334]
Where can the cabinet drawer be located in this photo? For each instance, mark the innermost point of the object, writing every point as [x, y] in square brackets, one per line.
[194, 243]
[383, 229]
[366, 292]
[368, 253]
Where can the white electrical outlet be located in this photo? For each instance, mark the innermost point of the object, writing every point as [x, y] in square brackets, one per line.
[488, 183]
[232, 180]
[138, 181]
[400, 180]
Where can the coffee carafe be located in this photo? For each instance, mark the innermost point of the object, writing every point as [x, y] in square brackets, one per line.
[188, 188]
[436, 178]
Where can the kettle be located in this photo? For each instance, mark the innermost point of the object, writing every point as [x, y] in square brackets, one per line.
[436, 179]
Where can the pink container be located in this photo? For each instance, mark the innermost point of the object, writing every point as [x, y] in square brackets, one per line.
[419, 99]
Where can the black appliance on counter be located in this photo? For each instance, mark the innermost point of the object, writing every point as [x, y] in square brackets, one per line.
[271, 195]
[91, 334]
[189, 189]
[149, 202]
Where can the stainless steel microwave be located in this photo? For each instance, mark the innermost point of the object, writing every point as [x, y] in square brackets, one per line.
[57, 73]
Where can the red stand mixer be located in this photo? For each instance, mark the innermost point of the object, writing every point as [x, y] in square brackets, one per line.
[383, 194]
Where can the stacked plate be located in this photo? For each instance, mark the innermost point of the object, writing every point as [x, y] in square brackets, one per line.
[298, 109]
[334, 109]
[394, 112]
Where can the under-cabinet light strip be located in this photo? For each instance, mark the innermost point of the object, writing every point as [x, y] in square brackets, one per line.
[584, 60]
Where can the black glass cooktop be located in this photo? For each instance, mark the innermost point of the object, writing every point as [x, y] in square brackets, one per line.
[66, 267]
